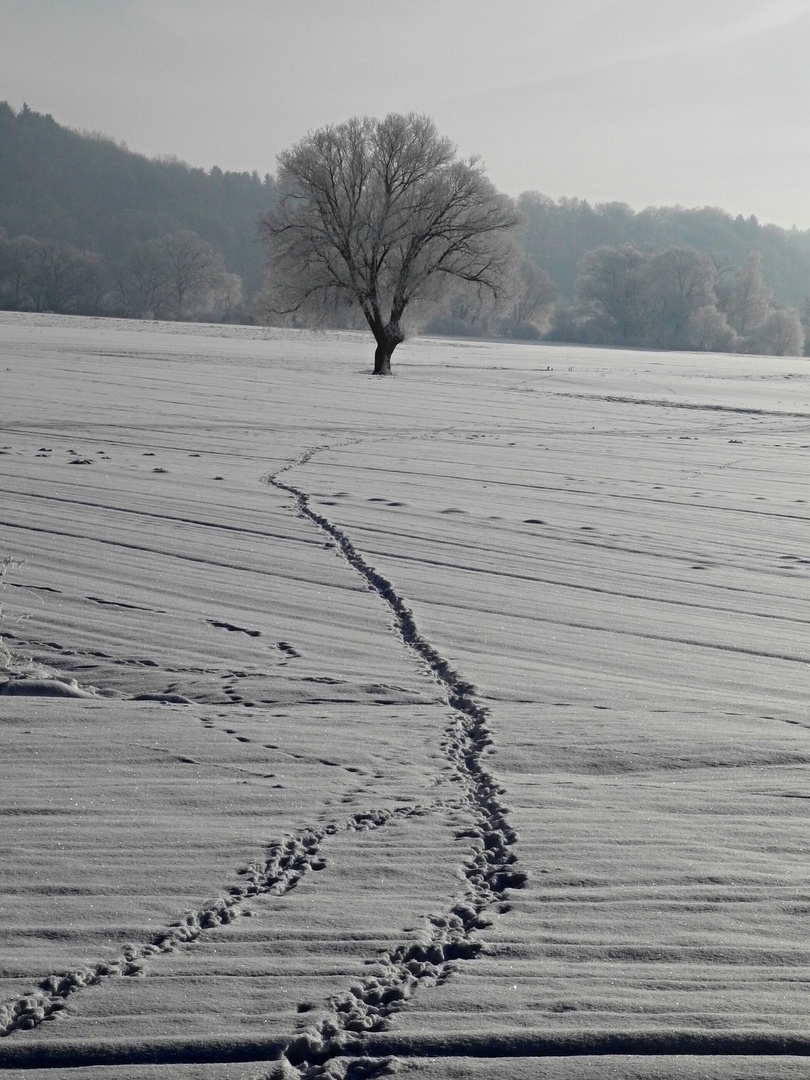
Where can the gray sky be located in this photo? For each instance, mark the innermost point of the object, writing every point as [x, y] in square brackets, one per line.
[649, 102]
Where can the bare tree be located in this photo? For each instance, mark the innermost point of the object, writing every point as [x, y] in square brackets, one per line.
[530, 302]
[225, 300]
[613, 294]
[5, 257]
[142, 283]
[64, 279]
[178, 276]
[749, 301]
[192, 270]
[21, 256]
[379, 213]
[681, 282]
[465, 310]
[804, 317]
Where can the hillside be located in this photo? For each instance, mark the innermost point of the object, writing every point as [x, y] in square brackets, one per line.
[90, 192]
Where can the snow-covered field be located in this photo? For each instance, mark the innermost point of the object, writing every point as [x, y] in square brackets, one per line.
[452, 725]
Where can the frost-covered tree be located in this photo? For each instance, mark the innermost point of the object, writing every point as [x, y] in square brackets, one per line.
[781, 334]
[141, 282]
[680, 281]
[749, 301]
[379, 214]
[194, 273]
[613, 294]
[708, 331]
[529, 302]
[179, 276]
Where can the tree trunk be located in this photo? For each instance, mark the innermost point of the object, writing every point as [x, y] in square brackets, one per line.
[388, 336]
[382, 358]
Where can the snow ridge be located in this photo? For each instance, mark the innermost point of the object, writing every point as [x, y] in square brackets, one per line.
[332, 1044]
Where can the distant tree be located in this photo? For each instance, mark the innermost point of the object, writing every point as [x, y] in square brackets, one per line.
[193, 270]
[179, 276]
[63, 279]
[465, 310]
[804, 316]
[708, 331]
[613, 295]
[529, 302]
[141, 282]
[5, 264]
[781, 334]
[379, 213]
[749, 301]
[225, 299]
[20, 257]
[680, 281]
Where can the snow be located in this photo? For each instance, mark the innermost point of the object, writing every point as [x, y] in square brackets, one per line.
[400, 724]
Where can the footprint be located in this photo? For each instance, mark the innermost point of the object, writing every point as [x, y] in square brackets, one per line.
[233, 629]
[285, 647]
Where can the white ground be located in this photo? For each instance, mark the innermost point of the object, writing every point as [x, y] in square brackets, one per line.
[246, 791]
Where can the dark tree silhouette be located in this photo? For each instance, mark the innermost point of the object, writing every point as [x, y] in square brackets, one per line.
[379, 214]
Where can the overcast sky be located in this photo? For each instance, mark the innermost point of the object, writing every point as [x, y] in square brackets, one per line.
[649, 102]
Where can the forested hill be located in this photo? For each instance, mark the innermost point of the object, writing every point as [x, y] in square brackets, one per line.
[559, 233]
[96, 195]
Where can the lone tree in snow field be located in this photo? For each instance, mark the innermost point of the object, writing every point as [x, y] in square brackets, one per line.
[379, 214]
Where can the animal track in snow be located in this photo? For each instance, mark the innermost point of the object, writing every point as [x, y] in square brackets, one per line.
[233, 629]
[285, 864]
[285, 647]
[490, 869]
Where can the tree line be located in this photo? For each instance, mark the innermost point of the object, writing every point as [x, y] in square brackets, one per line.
[676, 298]
[177, 276]
[86, 226]
[643, 291]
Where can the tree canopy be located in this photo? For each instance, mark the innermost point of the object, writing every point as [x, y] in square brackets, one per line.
[381, 214]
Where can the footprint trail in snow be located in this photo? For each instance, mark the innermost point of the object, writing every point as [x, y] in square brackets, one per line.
[332, 1043]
